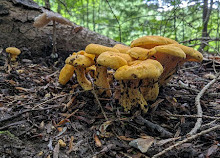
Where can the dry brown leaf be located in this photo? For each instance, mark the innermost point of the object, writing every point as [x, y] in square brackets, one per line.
[104, 126]
[125, 138]
[70, 145]
[67, 106]
[97, 140]
[60, 129]
[62, 122]
[11, 82]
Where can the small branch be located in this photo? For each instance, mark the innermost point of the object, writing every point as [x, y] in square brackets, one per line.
[25, 111]
[198, 106]
[96, 97]
[54, 98]
[194, 116]
[186, 140]
[154, 127]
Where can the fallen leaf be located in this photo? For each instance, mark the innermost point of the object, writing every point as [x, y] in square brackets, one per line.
[213, 149]
[63, 131]
[104, 126]
[142, 144]
[56, 151]
[125, 138]
[62, 122]
[70, 145]
[97, 140]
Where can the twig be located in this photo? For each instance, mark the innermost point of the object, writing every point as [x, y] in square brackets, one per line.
[96, 97]
[198, 106]
[194, 116]
[25, 111]
[154, 127]
[192, 89]
[54, 98]
[13, 124]
[212, 123]
[186, 140]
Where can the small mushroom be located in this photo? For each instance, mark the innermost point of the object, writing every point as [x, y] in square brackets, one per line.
[122, 48]
[139, 53]
[14, 52]
[101, 79]
[80, 63]
[150, 87]
[66, 73]
[191, 54]
[130, 77]
[111, 60]
[149, 42]
[47, 16]
[169, 56]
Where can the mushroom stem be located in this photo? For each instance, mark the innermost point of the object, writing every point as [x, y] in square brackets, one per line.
[13, 57]
[170, 64]
[149, 89]
[131, 95]
[54, 55]
[81, 78]
[101, 80]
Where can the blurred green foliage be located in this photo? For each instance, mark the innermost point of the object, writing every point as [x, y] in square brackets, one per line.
[177, 19]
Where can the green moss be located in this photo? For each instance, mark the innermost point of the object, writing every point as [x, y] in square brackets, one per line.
[7, 133]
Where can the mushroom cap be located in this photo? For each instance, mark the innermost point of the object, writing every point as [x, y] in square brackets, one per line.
[169, 50]
[66, 73]
[13, 50]
[149, 42]
[98, 49]
[122, 48]
[47, 16]
[146, 69]
[79, 60]
[140, 53]
[91, 56]
[191, 54]
[111, 59]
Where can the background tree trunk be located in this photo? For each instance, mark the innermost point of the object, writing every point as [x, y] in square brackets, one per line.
[16, 29]
[47, 4]
[205, 20]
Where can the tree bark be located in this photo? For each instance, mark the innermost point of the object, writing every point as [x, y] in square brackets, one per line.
[47, 4]
[205, 19]
[16, 29]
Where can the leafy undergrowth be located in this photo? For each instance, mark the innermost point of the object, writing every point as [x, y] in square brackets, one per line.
[36, 112]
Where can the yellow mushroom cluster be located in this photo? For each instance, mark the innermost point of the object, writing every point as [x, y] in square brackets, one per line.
[140, 69]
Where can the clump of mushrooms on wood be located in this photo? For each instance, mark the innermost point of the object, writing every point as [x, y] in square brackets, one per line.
[140, 69]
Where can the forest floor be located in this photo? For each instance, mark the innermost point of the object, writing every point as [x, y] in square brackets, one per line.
[36, 112]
